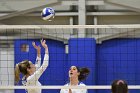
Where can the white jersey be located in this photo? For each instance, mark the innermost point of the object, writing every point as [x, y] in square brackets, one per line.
[74, 90]
[33, 79]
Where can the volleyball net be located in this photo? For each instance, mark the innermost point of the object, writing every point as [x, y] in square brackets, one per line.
[110, 52]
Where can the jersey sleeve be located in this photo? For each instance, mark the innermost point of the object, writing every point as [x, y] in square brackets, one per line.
[39, 71]
[38, 62]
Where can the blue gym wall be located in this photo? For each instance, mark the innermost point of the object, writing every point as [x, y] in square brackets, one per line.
[113, 59]
[118, 59]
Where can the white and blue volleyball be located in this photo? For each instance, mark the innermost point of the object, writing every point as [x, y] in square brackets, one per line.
[48, 13]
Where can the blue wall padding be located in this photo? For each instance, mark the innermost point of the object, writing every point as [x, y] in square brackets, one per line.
[54, 75]
[82, 53]
[118, 59]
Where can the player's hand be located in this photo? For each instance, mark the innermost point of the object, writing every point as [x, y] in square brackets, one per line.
[43, 43]
[35, 46]
[70, 91]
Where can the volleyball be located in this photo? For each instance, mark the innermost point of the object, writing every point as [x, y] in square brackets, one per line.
[48, 13]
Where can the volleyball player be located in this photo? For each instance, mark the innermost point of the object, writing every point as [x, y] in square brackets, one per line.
[119, 86]
[76, 75]
[32, 72]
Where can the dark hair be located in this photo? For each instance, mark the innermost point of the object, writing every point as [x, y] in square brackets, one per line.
[84, 72]
[119, 86]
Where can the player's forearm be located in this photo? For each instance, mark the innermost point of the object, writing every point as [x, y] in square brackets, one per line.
[40, 71]
[46, 60]
[46, 50]
[38, 53]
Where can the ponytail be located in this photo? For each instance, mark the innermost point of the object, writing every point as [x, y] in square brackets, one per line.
[84, 72]
[21, 68]
[17, 73]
